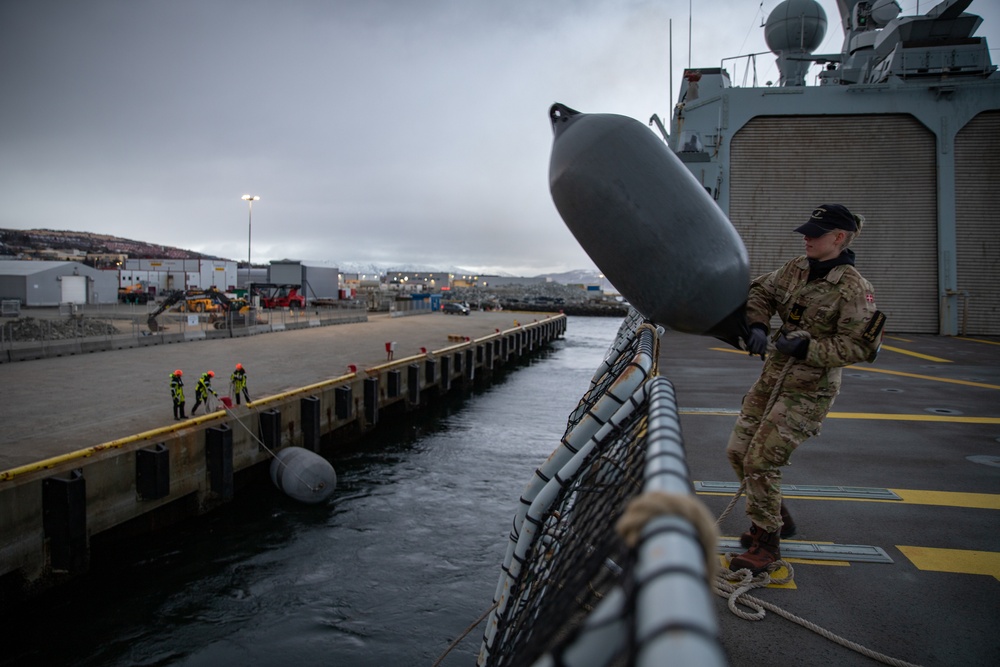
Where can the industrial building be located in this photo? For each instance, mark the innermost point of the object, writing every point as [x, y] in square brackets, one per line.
[50, 283]
[165, 275]
[317, 281]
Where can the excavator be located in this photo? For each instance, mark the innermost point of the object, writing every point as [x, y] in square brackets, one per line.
[227, 311]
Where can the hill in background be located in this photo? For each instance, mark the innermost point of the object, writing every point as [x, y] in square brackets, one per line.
[30, 243]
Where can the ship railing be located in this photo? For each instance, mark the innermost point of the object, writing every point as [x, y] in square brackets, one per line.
[574, 590]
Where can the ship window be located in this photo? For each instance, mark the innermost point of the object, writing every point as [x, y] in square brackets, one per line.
[691, 143]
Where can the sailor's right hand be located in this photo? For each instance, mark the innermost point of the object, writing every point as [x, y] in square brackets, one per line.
[757, 341]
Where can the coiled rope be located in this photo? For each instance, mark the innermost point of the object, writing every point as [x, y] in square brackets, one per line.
[735, 586]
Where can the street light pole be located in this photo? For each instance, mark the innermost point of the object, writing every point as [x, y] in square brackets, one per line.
[249, 199]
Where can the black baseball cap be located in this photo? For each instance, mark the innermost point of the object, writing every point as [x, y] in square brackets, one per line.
[828, 218]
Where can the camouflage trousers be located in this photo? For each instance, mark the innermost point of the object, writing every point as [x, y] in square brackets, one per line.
[761, 444]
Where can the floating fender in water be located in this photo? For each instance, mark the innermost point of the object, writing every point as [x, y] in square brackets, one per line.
[303, 475]
[648, 224]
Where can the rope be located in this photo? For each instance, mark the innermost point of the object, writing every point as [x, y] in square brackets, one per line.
[265, 447]
[656, 503]
[464, 635]
[735, 586]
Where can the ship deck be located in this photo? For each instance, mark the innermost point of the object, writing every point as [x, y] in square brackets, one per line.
[907, 470]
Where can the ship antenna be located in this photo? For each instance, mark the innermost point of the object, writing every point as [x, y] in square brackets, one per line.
[689, 34]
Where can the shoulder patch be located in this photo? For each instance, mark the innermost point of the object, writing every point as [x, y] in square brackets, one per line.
[874, 328]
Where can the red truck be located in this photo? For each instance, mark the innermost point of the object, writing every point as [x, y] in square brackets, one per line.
[280, 296]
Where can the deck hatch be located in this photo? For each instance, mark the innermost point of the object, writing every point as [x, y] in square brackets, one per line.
[855, 553]
[807, 491]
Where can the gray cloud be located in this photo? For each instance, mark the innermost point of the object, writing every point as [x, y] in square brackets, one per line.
[400, 132]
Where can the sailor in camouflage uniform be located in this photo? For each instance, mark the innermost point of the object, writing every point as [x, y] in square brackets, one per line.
[828, 320]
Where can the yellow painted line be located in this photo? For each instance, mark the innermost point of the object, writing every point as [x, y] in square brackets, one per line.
[917, 376]
[966, 383]
[958, 561]
[979, 501]
[928, 357]
[777, 574]
[978, 340]
[879, 416]
[903, 340]
[983, 501]
[872, 416]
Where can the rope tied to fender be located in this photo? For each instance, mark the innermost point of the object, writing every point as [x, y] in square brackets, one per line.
[232, 413]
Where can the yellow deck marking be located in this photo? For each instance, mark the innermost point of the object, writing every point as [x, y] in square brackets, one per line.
[983, 501]
[979, 501]
[959, 561]
[917, 376]
[928, 357]
[780, 573]
[967, 383]
[874, 416]
[904, 340]
[979, 340]
[879, 416]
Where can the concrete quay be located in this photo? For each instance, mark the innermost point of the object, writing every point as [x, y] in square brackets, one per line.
[89, 442]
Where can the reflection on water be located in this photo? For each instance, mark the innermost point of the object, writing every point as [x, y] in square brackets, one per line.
[402, 559]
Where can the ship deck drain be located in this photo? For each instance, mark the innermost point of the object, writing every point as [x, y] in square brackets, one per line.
[806, 491]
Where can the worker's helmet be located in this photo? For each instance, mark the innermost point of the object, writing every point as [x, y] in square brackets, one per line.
[178, 372]
[239, 367]
[210, 374]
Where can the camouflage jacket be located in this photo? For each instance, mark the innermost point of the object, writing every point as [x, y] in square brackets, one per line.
[838, 311]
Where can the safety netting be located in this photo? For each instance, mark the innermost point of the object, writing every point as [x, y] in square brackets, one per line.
[573, 590]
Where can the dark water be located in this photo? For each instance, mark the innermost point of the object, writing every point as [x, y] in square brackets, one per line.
[397, 565]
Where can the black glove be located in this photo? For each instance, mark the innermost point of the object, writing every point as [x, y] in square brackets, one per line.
[793, 347]
[757, 342]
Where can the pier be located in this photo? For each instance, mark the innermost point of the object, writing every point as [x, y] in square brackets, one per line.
[89, 444]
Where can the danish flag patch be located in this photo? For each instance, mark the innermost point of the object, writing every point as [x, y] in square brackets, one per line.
[870, 298]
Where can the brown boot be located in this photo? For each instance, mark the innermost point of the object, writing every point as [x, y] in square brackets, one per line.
[787, 529]
[764, 550]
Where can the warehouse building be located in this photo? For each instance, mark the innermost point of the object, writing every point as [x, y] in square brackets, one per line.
[50, 283]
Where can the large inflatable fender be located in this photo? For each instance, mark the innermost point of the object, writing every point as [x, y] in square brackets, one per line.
[647, 223]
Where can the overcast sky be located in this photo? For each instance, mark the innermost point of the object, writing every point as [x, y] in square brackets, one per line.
[390, 131]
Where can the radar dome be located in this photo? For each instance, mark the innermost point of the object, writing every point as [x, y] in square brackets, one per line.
[795, 25]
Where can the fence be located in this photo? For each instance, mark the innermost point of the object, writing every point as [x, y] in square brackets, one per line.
[38, 333]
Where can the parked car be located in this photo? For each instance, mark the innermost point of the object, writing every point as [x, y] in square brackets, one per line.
[454, 308]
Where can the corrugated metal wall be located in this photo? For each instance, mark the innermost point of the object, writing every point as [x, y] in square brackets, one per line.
[977, 212]
[880, 166]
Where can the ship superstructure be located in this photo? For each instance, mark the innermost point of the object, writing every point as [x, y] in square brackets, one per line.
[902, 126]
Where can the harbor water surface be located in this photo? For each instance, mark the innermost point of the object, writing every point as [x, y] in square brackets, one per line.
[397, 565]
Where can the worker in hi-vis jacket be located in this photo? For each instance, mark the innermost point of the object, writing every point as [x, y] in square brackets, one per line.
[177, 393]
[238, 383]
[202, 390]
